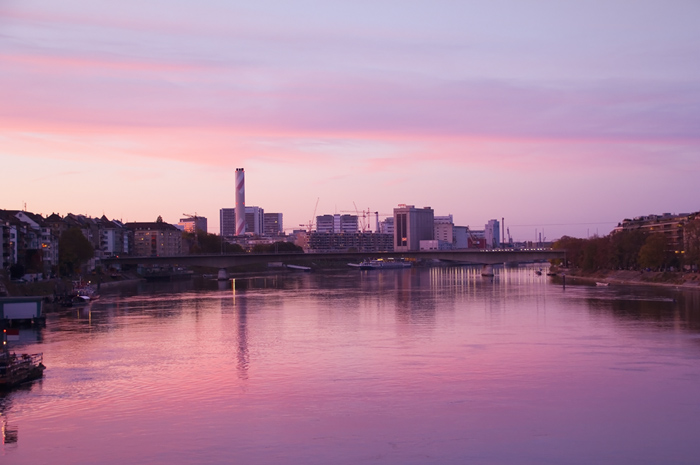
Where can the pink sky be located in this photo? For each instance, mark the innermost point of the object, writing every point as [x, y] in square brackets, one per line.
[559, 117]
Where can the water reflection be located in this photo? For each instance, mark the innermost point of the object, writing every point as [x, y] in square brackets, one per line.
[436, 365]
[9, 433]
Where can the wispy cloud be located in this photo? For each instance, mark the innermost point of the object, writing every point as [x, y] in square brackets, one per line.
[327, 91]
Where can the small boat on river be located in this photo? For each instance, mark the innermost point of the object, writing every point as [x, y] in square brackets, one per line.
[82, 294]
[380, 264]
[598, 283]
[299, 268]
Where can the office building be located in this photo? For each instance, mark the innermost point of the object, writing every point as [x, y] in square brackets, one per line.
[345, 224]
[444, 228]
[387, 226]
[193, 224]
[492, 234]
[254, 217]
[272, 224]
[412, 225]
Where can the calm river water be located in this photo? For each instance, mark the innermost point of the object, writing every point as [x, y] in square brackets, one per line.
[418, 366]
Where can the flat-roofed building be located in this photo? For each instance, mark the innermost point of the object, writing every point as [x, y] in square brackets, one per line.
[253, 221]
[669, 224]
[412, 225]
[444, 228]
[387, 226]
[346, 224]
[193, 224]
[492, 234]
[272, 224]
[344, 242]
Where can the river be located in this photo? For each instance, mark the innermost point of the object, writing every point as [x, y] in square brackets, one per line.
[416, 366]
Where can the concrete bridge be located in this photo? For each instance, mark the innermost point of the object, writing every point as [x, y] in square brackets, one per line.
[223, 261]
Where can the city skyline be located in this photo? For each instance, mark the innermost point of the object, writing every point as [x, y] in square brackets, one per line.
[562, 118]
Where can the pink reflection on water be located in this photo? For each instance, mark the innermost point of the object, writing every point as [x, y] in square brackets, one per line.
[410, 367]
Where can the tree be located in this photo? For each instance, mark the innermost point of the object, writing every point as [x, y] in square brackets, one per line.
[17, 271]
[624, 248]
[596, 253]
[204, 242]
[691, 235]
[73, 250]
[653, 253]
[574, 250]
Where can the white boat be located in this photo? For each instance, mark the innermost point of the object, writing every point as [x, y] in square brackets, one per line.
[299, 268]
[381, 264]
[598, 283]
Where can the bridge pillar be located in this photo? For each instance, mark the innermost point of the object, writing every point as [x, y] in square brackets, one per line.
[223, 275]
[487, 270]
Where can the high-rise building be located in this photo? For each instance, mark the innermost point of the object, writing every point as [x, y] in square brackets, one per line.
[272, 224]
[227, 222]
[492, 233]
[412, 225]
[253, 221]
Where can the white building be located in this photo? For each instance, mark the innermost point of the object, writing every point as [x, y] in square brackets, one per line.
[492, 234]
[387, 226]
[444, 228]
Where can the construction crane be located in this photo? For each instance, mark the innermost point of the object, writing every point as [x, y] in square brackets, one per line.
[193, 230]
[366, 216]
[310, 226]
[475, 241]
[194, 219]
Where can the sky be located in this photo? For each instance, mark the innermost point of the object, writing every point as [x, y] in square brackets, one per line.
[563, 117]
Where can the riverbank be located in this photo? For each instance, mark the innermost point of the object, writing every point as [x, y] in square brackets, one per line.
[654, 278]
[49, 288]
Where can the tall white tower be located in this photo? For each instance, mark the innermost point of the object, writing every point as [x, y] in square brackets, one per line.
[240, 202]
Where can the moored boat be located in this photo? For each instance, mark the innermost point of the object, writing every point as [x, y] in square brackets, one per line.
[18, 369]
[299, 268]
[380, 264]
[82, 294]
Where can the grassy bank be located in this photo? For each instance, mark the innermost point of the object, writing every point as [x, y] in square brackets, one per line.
[658, 278]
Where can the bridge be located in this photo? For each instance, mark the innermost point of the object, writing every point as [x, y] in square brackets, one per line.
[223, 261]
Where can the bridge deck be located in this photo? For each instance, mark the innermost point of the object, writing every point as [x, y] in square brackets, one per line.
[480, 257]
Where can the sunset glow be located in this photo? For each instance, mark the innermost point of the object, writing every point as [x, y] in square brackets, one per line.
[562, 117]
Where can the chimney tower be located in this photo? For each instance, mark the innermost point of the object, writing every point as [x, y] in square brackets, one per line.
[240, 202]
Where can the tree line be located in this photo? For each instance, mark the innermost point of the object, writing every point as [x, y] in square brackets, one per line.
[632, 250]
